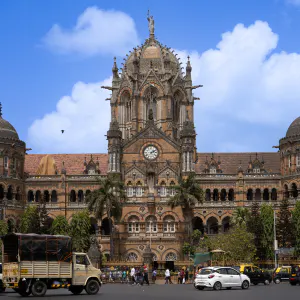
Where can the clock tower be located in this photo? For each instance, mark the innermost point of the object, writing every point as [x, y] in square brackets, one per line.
[151, 136]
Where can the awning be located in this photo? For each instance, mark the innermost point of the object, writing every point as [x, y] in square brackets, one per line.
[200, 258]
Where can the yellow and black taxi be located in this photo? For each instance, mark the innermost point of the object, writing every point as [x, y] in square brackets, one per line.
[282, 273]
[255, 274]
[295, 275]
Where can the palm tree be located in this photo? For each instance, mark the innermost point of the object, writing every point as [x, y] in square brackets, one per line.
[187, 193]
[107, 200]
[240, 216]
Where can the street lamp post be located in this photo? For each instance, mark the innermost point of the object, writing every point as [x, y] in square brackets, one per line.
[275, 242]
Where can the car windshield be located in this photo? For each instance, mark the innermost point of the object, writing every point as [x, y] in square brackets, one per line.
[205, 271]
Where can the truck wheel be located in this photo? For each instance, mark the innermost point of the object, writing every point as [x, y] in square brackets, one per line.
[92, 287]
[76, 289]
[39, 288]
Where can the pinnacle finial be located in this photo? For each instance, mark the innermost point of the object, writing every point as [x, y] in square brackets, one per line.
[0, 109]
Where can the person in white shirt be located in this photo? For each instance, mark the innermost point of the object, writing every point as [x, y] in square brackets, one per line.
[168, 276]
[132, 275]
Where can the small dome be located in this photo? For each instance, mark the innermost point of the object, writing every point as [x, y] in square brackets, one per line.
[294, 128]
[7, 130]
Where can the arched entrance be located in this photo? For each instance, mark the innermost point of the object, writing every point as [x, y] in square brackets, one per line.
[212, 225]
[171, 257]
[198, 224]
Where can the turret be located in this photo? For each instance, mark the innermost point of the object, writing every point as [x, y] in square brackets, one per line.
[114, 137]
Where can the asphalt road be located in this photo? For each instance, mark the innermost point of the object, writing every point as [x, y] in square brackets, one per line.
[174, 292]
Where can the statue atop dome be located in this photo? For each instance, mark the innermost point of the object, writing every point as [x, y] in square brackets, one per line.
[150, 23]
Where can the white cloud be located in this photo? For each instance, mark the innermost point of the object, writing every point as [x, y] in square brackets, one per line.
[249, 90]
[96, 32]
[84, 116]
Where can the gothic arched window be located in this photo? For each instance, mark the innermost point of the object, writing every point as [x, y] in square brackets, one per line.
[133, 224]
[151, 224]
[129, 189]
[150, 97]
[169, 224]
[139, 189]
[125, 98]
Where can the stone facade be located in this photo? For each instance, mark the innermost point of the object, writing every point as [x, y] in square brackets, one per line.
[151, 143]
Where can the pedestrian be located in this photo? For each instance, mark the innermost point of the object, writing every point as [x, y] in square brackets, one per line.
[186, 275]
[167, 276]
[132, 275]
[181, 276]
[154, 273]
[145, 275]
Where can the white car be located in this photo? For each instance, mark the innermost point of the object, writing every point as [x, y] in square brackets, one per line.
[220, 277]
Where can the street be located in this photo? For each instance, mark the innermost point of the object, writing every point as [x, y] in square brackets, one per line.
[163, 292]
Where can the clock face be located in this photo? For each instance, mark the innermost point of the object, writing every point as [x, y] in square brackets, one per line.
[151, 152]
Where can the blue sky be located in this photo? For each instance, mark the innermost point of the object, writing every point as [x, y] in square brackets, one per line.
[38, 69]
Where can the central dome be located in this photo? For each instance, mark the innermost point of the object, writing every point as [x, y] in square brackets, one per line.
[294, 128]
[7, 130]
[152, 54]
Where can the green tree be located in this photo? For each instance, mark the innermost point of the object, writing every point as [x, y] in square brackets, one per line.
[284, 230]
[238, 244]
[187, 193]
[267, 237]
[30, 220]
[255, 227]
[80, 231]
[240, 216]
[296, 228]
[60, 226]
[108, 199]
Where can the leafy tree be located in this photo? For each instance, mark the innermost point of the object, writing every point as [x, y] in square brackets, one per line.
[284, 225]
[187, 248]
[60, 226]
[80, 231]
[240, 216]
[107, 199]
[238, 244]
[188, 193]
[30, 220]
[296, 228]
[255, 227]
[267, 237]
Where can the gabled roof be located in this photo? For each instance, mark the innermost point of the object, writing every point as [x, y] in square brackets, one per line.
[74, 163]
[230, 162]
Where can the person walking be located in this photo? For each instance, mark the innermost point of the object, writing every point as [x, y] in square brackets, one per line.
[132, 275]
[167, 276]
[186, 277]
[154, 273]
[181, 276]
[145, 275]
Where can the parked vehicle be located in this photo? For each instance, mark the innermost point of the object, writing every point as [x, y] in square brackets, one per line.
[220, 277]
[282, 274]
[2, 288]
[33, 263]
[295, 275]
[255, 274]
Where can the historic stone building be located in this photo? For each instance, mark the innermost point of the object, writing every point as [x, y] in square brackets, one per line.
[151, 143]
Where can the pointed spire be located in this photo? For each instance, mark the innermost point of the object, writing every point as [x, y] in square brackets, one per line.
[115, 69]
[0, 110]
[188, 66]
